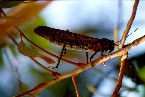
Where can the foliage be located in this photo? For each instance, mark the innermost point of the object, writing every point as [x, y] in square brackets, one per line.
[23, 49]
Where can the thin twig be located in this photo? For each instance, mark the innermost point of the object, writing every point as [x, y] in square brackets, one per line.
[119, 52]
[124, 56]
[12, 39]
[40, 65]
[14, 68]
[75, 81]
[125, 33]
[120, 77]
[56, 74]
[49, 53]
[41, 87]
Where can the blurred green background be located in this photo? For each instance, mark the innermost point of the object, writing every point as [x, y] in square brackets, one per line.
[93, 18]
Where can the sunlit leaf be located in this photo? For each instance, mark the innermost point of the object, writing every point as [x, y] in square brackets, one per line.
[23, 49]
[26, 11]
[29, 32]
[23, 13]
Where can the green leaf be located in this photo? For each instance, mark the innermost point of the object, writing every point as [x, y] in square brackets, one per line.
[8, 4]
[141, 73]
[23, 49]
[22, 88]
[29, 32]
[65, 87]
[40, 75]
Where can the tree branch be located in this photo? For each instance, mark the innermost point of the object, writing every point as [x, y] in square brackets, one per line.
[49, 53]
[120, 77]
[124, 56]
[75, 81]
[40, 87]
[125, 33]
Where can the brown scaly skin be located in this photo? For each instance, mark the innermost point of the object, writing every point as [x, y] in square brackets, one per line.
[75, 41]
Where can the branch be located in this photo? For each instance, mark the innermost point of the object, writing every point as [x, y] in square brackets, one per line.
[121, 73]
[55, 74]
[124, 56]
[119, 52]
[40, 87]
[49, 53]
[125, 33]
[75, 81]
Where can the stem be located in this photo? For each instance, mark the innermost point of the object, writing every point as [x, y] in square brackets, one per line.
[40, 87]
[125, 33]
